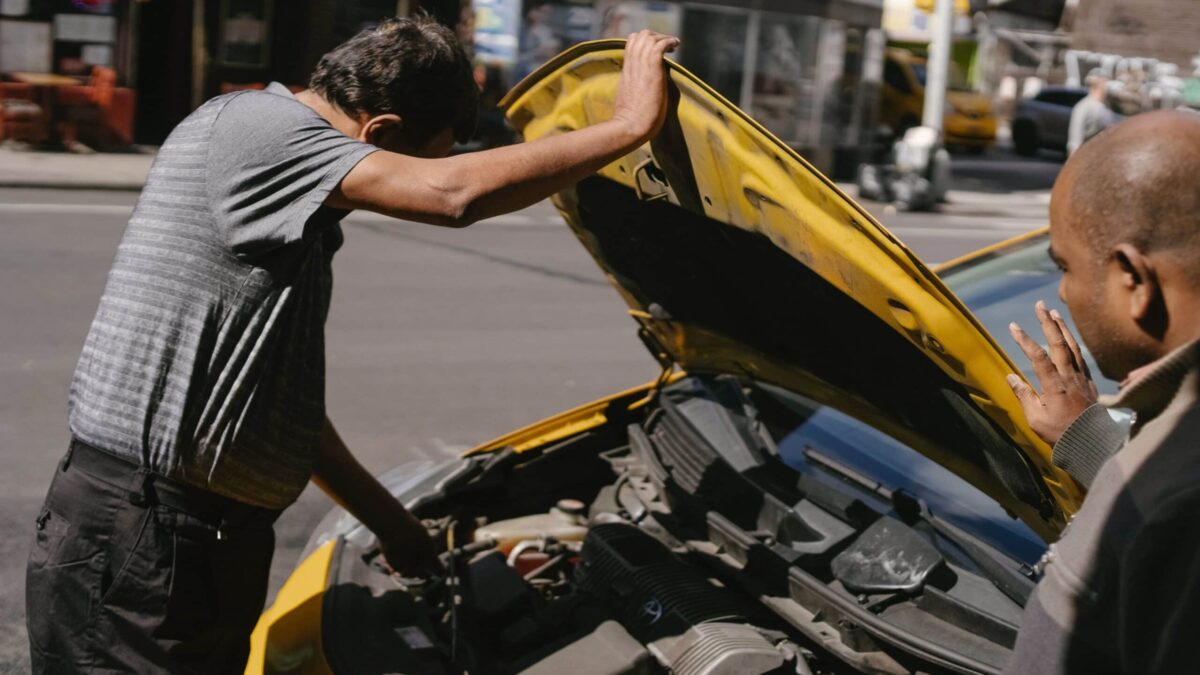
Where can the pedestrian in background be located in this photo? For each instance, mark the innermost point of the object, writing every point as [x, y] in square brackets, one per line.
[1120, 591]
[1091, 115]
[197, 410]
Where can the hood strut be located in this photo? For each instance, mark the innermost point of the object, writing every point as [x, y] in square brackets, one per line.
[660, 353]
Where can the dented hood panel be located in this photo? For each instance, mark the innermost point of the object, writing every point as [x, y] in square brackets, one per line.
[735, 255]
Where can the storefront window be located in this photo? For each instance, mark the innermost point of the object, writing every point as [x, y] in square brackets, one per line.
[799, 66]
[351, 17]
[65, 36]
[550, 27]
[713, 46]
[244, 28]
[859, 87]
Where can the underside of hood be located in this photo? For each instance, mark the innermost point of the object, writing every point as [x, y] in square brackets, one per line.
[736, 256]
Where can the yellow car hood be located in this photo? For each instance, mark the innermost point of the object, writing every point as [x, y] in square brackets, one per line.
[736, 256]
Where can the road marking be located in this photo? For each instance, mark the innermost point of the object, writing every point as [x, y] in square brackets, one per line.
[997, 234]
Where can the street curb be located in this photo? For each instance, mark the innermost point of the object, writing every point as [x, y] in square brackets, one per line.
[70, 185]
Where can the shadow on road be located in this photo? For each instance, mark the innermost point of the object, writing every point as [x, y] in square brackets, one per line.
[393, 231]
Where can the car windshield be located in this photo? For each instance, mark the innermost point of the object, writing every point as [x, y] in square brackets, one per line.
[1001, 288]
[815, 439]
[954, 79]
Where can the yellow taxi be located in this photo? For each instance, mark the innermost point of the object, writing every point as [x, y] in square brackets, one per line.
[969, 120]
[828, 474]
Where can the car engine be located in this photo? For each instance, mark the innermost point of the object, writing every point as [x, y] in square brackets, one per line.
[618, 600]
[671, 539]
[606, 592]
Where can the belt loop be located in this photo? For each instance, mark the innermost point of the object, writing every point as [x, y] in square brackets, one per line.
[144, 495]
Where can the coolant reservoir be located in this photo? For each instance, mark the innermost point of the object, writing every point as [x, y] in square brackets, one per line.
[564, 522]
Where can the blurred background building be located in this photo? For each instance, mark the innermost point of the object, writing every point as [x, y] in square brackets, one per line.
[830, 77]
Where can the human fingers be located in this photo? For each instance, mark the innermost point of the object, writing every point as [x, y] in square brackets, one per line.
[664, 45]
[1031, 403]
[638, 54]
[649, 46]
[644, 38]
[1059, 348]
[1085, 372]
[635, 45]
[647, 34]
[1043, 367]
[648, 37]
[1072, 343]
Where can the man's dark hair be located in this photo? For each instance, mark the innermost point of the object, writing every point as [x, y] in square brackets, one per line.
[412, 67]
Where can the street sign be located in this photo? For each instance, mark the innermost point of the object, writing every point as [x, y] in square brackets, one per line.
[497, 31]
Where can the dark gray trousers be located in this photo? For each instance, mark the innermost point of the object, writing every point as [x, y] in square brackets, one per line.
[134, 573]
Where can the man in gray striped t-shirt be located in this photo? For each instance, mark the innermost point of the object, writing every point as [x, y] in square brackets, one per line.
[197, 409]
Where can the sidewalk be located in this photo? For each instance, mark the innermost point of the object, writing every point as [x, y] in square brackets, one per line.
[101, 171]
[992, 185]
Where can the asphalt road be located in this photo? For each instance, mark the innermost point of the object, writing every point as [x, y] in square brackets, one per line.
[437, 340]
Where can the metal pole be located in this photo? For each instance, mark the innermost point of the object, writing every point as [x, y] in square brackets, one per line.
[750, 58]
[199, 54]
[938, 65]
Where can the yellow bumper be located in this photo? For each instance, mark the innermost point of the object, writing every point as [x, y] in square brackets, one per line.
[287, 638]
[964, 130]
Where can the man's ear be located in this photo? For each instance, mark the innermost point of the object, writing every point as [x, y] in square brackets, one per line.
[1139, 279]
[376, 130]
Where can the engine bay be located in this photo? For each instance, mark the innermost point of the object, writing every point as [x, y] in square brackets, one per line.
[645, 547]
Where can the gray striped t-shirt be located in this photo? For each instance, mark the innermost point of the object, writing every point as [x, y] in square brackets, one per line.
[206, 358]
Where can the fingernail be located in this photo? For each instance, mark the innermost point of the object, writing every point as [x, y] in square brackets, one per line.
[1014, 327]
[1054, 313]
[1012, 380]
[1041, 305]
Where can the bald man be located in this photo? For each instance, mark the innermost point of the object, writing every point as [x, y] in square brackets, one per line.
[1120, 591]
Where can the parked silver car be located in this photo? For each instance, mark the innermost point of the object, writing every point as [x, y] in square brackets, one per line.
[1042, 121]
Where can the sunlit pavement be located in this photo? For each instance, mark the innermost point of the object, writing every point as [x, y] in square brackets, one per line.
[438, 339]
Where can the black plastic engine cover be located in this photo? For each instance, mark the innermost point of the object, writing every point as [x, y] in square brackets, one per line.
[655, 592]
[690, 625]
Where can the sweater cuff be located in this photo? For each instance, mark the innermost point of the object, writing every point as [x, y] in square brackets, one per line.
[1091, 439]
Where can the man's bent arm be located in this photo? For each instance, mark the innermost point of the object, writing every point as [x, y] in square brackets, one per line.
[403, 539]
[460, 190]
[457, 191]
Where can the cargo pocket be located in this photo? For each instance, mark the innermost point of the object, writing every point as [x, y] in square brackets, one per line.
[50, 530]
[60, 583]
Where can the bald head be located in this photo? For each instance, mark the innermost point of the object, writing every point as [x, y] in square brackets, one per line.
[1137, 183]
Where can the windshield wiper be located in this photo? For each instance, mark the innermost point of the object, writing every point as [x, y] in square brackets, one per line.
[1016, 580]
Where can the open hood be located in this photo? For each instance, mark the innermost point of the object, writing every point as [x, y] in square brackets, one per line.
[736, 256]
